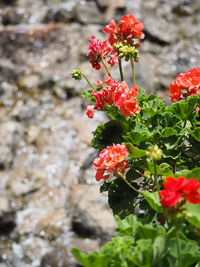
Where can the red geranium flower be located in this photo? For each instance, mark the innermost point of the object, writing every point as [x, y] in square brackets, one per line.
[111, 160]
[185, 84]
[129, 28]
[124, 98]
[180, 188]
[100, 50]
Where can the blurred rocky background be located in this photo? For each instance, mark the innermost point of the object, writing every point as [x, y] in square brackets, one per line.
[49, 200]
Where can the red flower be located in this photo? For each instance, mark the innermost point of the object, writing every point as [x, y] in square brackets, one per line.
[105, 95]
[185, 84]
[175, 189]
[113, 59]
[129, 28]
[197, 110]
[111, 160]
[98, 50]
[90, 111]
[124, 98]
[118, 94]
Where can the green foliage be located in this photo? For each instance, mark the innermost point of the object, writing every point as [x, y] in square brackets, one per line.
[140, 245]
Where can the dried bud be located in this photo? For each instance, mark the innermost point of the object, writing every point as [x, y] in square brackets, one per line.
[154, 153]
[77, 74]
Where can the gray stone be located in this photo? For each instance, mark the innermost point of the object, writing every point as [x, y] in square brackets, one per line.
[91, 213]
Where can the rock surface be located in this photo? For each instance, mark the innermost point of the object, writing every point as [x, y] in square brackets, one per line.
[48, 197]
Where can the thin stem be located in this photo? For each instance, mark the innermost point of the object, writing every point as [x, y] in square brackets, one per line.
[178, 248]
[184, 123]
[130, 185]
[88, 81]
[155, 176]
[120, 69]
[105, 65]
[133, 70]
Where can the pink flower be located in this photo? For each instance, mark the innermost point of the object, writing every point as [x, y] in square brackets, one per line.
[185, 84]
[111, 160]
[90, 111]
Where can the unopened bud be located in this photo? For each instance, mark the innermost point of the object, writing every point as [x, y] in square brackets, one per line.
[77, 74]
[154, 153]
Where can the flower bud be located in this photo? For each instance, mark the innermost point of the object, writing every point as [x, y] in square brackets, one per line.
[77, 74]
[154, 153]
[90, 111]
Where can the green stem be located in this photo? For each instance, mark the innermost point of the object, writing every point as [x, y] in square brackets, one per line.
[184, 123]
[130, 185]
[133, 70]
[155, 176]
[178, 248]
[88, 81]
[120, 69]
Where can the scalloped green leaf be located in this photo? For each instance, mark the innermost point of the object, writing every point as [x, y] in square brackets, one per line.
[107, 134]
[153, 199]
[127, 226]
[168, 131]
[121, 198]
[135, 152]
[192, 214]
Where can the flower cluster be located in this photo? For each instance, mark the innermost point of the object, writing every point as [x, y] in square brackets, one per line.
[180, 188]
[118, 94]
[129, 28]
[111, 160]
[124, 98]
[185, 84]
[99, 51]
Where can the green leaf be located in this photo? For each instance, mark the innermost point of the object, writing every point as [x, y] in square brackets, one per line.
[163, 169]
[105, 186]
[86, 93]
[153, 199]
[192, 214]
[93, 259]
[135, 152]
[196, 134]
[154, 106]
[107, 134]
[168, 131]
[132, 174]
[136, 137]
[159, 248]
[194, 173]
[189, 252]
[142, 254]
[121, 198]
[127, 226]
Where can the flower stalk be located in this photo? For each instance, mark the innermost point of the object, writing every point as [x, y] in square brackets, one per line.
[120, 69]
[178, 247]
[88, 81]
[133, 70]
[130, 185]
[105, 65]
